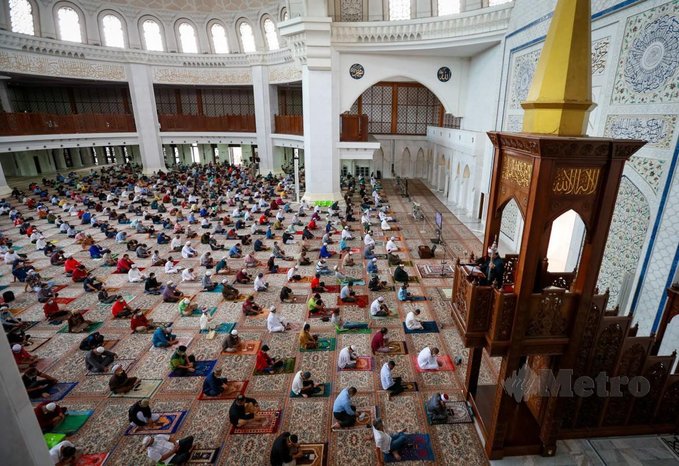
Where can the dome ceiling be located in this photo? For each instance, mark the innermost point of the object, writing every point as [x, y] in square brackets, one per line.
[212, 6]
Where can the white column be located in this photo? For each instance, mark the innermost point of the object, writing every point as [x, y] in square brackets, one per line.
[76, 161]
[120, 157]
[468, 5]
[5, 103]
[19, 427]
[145, 117]
[47, 23]
[263, 117]
[61, 161]
[86, 156]
[4, 189]
[26, 164]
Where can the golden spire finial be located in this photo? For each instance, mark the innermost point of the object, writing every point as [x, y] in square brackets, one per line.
[560, 96]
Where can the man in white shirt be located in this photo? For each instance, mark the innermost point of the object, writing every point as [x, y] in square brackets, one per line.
[346, 234]
[274, 323]
[204, 320]
[176, 243]
[412, 323]
[378, 308]
[11, 256]
[391, 245]
[260, 284]
[187, 251]
[162, 448]
[63, 453]
[389, 383]
[427, 359]
[134, 275]
[389, 443]
[188, 275]
[302, 385]
[347, 358]
[169, 266]
[368, 240]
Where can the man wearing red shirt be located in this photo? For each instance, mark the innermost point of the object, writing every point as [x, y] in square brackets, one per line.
[264, 362]
[140, 324]
[124, 264]
[70, 265]
[380, 342]
[49, 415]
[317, 286]
[52, 311]
[79, 273]
[263, 220]
[121, 309]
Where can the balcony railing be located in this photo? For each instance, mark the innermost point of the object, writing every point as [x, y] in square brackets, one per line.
[354, 128]
[224, 123]
[289, 124]
[18, 124]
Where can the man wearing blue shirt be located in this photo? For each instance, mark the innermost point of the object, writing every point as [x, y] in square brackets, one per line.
[343, 411]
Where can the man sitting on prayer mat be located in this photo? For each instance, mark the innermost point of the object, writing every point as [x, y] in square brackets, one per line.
[163, 449]
[214, 384]
[427, 359]
[436, 407]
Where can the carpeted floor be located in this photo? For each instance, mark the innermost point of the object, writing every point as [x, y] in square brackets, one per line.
[207, 420]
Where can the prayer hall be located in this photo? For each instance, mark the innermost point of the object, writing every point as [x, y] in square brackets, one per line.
[339, 232]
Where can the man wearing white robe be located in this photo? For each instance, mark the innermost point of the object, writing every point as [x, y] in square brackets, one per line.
[427, 358]
[134, 275]
[391, 245]
[274, 323]
[411, 320]
[347, 358]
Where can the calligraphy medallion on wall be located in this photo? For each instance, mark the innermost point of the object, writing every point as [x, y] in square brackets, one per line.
[356, 71]
[444, 74]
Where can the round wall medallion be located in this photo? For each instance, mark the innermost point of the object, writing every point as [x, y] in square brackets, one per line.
[356, 71]
[444, 74]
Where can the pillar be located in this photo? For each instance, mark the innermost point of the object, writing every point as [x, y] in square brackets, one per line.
[468, 5]
[19, 427]
[119, 155]
[76, 161]
[59, 157]
[25, 163]
[5, 102]
[47, 23]
[145, 117]
[4, 190]
[86, 156]
[266, 107]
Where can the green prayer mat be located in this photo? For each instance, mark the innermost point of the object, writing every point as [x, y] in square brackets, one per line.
[353, 330]
[92, 327]
[53, 439]
[73, 421]
[324, 393]
[210, 311]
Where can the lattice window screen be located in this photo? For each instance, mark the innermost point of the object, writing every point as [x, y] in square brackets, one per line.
[189, 101]
[223, 101]
[166, 102]
[377, 103]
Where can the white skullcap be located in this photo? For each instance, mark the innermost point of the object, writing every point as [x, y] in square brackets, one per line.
[116, 367]
[225, 281]
[16, 348]
[188, 243]
[374, 259]
[380, 299]
[170, 282]
[393, 238]
[100, 349]
[134, 266]
[444, 397]
[146, 441]
[51, 406]
[234, 332]
[272, 309]
[208, 273]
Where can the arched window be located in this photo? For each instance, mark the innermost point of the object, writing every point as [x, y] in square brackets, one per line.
[247, 38]
[113, 31]
[498, 2]
[399, 9]
[449, 7]
[219, 42]
[21, 17]
[187, 38]
[69, 24]
[271, 35]
[284, 15]
[153, 38]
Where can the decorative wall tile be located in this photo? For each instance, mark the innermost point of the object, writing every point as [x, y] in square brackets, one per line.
[510, 217]
[600, 55]
[648, 67]
[651, 170]
[351, 10]
[59, 66]
[625, 239]
[657, 130]
[514, 123]
[522, 77]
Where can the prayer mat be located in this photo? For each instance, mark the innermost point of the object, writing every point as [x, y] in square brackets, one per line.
[249, 347]
[217, 289]
[324, 393]
[370, 415]
[108, 344]
[320, 315]
[121, 273]
[147, 388]
[446, 293]
[269, 425]
[232, 390]
[197, 313]
[363, 363]
[3, 287]
[57, 392]
[447, 364]
[428, 326]
[170, 423]
[203, 456]
[288, 367]
[29, 324]
[361, 301]
[409, 386]
[397, 347]
[202, 369]
[73, 421]
[53, 439]
[57, 288]
[306, 280]
[458, 413]
[332, 289]
[45, 363]
[421, 450]
[323, 344]
[313, 454]
[412, 279]
[126, 363]
[224, 327]
[94, 459]
[63, 300]
[355, 282]
[393, 315]
[435, 271]
[94, 326]
[356, 250]
[35, 343]
[366, 331]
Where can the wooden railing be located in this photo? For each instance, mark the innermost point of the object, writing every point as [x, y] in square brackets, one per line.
[353, 127]
[289, 124]
[17, 124]
[224, 123]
